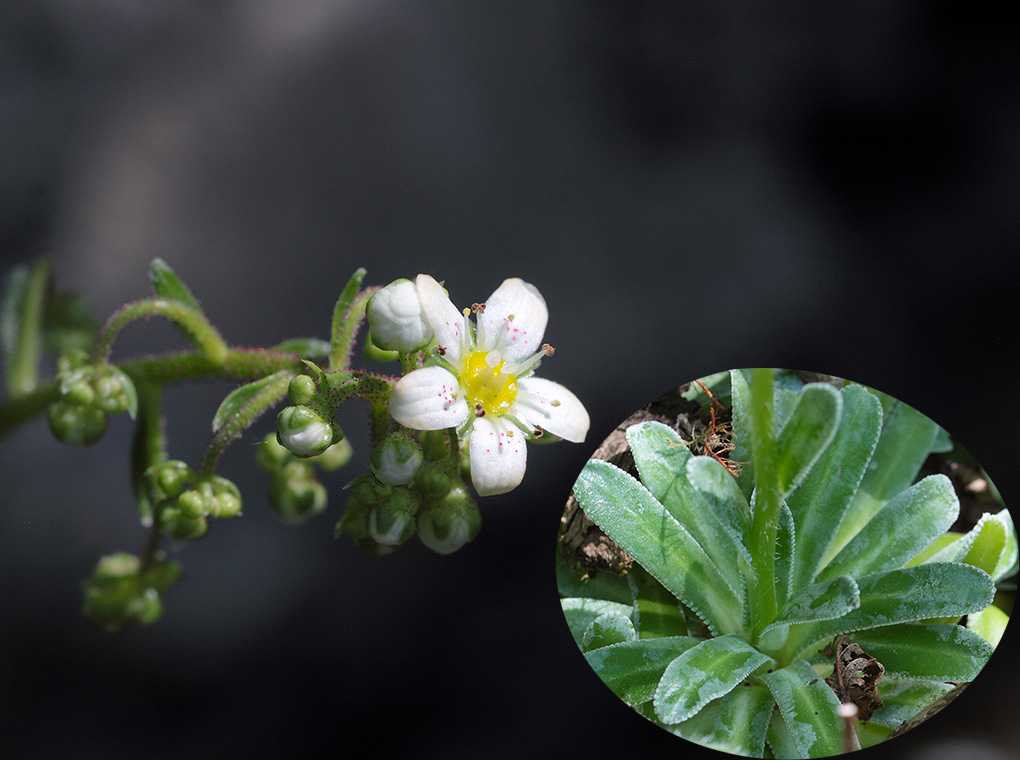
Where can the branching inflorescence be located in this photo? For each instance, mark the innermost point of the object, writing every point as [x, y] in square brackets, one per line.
[461, 410]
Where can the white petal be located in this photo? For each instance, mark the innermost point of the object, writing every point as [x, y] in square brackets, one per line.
[498, 456]
[516, 338]
[428, 399]
[536, 405]
[447, 322]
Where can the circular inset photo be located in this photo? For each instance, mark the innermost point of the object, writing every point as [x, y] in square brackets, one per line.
[777, 563]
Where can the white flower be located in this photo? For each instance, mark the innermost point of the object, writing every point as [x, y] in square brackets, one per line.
[481, 382]
[395, 318]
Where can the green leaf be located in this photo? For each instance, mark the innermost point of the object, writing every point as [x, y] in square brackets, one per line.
[711, 669]
[712, 519]
[808, 431]
[626, 511]
[742, 452]
[342, 330]
[989, 624]
[607, 629]
[786, 545]
[166, 284]
[903, 698]
[581, 612]
[251, 393]
[900, 530]
[779, 738]
[742, 721]
[825, 494]
[827, 600]
[21, 317]
[657, 612]
[898, 596]
[942, 652]
[603, 586]
[906, 440]
[306, 348]
[808, 707]
[632, 669]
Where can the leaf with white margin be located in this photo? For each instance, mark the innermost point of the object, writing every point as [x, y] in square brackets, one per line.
[824, 496]
[900, 530]
[742, 721]
[632, 669]
[710, 670]
[903, 698]
[908, 594]
[628, 513]
[941, 652]
[808, 707]
[806, 434]
[990, 545]
[717, 525]
[605, 630]
[580, 612]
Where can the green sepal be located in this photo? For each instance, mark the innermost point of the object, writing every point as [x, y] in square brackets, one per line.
[166, 284]
[705, 672]
[631, 516]
[808, 706]
[255, 394]
[940, 652]
[633, 669]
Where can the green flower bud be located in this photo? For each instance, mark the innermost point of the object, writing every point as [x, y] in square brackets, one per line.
[167, 480]
[376, 354]
[296, 495]
[115, 393]
[433, 483]
[301, 389]
[116, 596]
[226, 498]
[76, 424]
[182, 527]
[303, 432]
[396, 461]
[396, 320]
[447, 524]
[369, 491]
[354, 521]
[80, 392]
[193, 504]
[392, 522]
[335, 457]
[271, 455]
[71, 360]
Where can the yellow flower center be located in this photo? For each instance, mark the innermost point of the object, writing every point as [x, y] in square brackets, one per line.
[488, 388]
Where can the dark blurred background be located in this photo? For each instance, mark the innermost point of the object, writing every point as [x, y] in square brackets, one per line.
[693, 187]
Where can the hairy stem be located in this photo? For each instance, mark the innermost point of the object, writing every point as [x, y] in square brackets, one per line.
[191, 322]
[17, 411]
[24, 321]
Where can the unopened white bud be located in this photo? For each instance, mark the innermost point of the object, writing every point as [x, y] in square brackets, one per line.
[396, 320]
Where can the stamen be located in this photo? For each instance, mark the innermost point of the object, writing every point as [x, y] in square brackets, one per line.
[478, 308]
[441, 350]
[509, 433]
[538, 431]
[510, 317]
[548, 349]
[479, 410]
[528, 364]
[555, 402]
